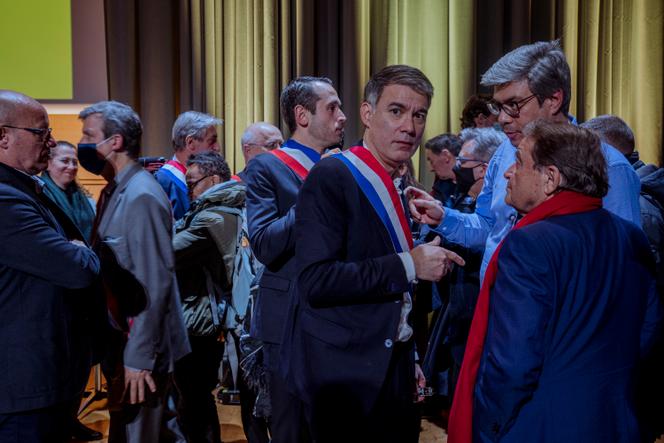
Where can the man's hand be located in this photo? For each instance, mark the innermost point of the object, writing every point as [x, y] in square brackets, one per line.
[135, 381]
[420, 382]
[423, 207]
[432, 262]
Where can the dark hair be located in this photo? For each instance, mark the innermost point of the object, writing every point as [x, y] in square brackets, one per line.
[475, 106]
[575, 151]
[118, 119]
[451, 142]
[300, 91]
[542, 64]
[612, 130]
[211, 163]
[397, 75]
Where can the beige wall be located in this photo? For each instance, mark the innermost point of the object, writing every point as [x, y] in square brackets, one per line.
[66, 126]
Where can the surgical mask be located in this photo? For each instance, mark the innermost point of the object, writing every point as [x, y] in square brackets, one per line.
[89, 159]
[465, 178]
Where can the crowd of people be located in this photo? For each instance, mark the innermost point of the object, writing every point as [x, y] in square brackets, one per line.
[521, 296]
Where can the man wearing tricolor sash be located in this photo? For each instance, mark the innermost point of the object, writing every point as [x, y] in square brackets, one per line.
[193, 133]
[352, 357]
[560, 326]
[312, 110]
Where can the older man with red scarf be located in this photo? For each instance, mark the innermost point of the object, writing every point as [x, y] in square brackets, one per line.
[567, 308]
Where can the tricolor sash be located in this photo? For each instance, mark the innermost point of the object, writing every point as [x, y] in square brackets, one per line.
[178, 171]
[378, 187]
[299, 158]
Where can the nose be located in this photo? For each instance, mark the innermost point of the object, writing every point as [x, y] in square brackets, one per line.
[408, 125]
[503, 118]
[510, 171]
[342, 117]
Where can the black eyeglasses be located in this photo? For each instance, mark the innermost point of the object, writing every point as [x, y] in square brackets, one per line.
[43, 133]
[462, 160]
[513, 109]
[192, 185]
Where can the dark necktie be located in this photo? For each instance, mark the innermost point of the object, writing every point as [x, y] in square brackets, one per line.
[102, 203]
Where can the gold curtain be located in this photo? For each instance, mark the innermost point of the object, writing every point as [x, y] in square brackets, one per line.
[248, 50]
[614, 48]
[235, 57]
[435, 36]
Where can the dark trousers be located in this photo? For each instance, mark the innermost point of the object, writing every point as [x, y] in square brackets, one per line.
[47, 425]
[287, 423]
[395, 417]
[195, 378]
[135, 423]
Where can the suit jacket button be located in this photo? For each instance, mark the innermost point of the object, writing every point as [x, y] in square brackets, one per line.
[388, 343]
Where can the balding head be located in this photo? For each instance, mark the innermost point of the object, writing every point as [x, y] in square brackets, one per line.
[25, 139]
[13, 103]
[258, 138]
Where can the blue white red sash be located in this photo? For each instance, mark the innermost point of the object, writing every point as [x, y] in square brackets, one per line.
[299, 158]
[376, 184]
[177, 170]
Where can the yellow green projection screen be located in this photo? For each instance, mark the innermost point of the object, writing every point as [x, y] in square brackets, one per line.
[36, 49]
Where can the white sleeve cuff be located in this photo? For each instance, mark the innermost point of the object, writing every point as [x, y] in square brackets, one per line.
[408, 265]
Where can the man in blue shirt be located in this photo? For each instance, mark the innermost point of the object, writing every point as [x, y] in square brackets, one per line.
[532, 82]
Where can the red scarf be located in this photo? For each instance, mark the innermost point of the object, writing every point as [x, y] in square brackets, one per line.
[460, 428]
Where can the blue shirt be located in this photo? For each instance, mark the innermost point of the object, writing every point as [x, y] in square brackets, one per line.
[493, 218]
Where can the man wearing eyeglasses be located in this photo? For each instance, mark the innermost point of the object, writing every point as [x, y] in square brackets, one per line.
[258, 138]
[532, 82]
[45, 267]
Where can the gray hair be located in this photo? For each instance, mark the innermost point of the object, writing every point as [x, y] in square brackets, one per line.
[543, 64]
[192, 124]
[612, 130]
[397, 75]
[118, 119]
[486, 141]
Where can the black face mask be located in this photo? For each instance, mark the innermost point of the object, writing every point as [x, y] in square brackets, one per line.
[465, 178]
[88, 158]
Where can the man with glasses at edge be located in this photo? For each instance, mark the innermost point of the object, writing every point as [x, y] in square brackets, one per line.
[258, 138]
[45, 272]
[532, 82]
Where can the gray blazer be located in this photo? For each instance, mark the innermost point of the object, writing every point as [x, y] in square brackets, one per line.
[137, 227]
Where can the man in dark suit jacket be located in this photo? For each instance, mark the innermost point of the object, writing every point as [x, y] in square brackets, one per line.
[312, 110]
[567, 309]
[352, 354]
[44, 264]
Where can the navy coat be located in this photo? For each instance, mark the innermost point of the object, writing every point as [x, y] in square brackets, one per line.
[572, 310]
[45, 352]
[272, 189]
[350, 288]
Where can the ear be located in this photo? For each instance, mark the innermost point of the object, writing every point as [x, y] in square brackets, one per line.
[482, 170]
[301, 116]
[366, 110]
[553, 179]
[4, 138]
[118, 142]
[188, 143]
[555, 102]
[216, 179]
